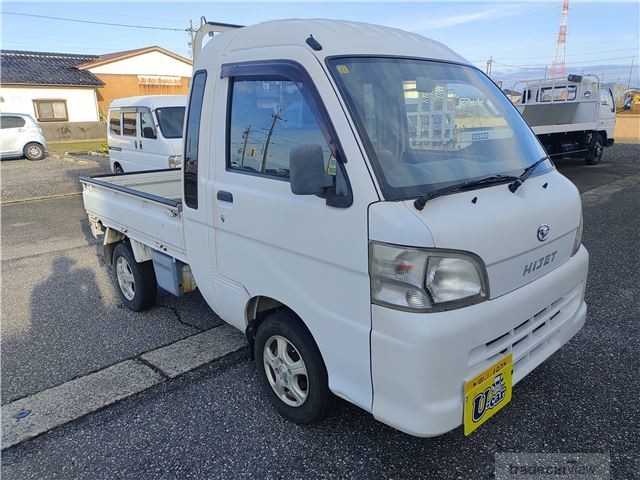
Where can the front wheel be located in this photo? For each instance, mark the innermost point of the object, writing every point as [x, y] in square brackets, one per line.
[34, 151]
[136, 282]
[291, 369]
[596, 150]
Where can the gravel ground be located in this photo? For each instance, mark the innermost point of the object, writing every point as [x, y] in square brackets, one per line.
[215, 423]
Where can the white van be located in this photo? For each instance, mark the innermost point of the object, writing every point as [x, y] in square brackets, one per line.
[145, 133]
[374, 236]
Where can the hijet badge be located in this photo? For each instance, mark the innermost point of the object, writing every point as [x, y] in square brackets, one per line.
[487, 393]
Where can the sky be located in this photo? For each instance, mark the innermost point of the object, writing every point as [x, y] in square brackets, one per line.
[515, 35]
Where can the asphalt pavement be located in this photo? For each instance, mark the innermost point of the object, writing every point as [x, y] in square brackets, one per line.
[215, 423]
[61, 316]
[55, 175]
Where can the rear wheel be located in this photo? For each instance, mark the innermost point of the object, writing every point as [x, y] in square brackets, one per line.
[33, 151]
[291, 369]
[117, 169]
[596, 150]
[136, 282]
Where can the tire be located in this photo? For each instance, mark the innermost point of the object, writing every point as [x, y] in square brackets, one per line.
[304, 397]
[136, 282]
[117, 169]
[596, 150]
[33, 151]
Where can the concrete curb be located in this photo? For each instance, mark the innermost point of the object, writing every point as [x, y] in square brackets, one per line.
[36, 414]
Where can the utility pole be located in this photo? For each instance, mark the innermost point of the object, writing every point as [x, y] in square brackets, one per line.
[630, 72]
[245, 136]
[276, 116]
[190, 32]
[489, 65]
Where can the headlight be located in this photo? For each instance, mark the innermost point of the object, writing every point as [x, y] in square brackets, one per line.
[175, 161]
[426, 279]
[578, 241]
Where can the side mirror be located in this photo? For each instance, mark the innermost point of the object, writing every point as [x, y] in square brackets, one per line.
[306, 170]
[147, 132]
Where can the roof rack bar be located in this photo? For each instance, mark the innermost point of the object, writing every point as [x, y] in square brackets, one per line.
[209, 29]
[220, 24]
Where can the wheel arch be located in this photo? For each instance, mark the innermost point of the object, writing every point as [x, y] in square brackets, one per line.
[37, 142]
[258, 308]
[603, 135]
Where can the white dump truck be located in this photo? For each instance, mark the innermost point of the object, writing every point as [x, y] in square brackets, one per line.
[573, 116]
[364, 251]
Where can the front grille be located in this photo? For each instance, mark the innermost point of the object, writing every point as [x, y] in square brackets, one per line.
[525, 340]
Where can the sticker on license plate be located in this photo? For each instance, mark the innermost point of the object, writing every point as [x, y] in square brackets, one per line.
[487, 393]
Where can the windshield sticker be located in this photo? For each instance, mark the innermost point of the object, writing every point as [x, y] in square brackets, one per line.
[342, 69]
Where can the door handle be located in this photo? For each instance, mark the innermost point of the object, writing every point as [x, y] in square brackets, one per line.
[224, 196]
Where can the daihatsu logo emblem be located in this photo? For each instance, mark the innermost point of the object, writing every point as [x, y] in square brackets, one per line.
[543, 232]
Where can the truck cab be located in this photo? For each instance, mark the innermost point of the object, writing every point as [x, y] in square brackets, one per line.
[371, 211]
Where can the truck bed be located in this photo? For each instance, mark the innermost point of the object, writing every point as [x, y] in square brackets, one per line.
[560, 117]
[146, 206]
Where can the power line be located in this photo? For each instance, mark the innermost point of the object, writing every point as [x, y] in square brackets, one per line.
[93, 22]
[580, 55]
[594, 61]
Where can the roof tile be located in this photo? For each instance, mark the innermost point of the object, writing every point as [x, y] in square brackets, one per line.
[45, 68]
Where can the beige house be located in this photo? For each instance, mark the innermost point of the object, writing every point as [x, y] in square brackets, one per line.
[69, 94]
[144, 71]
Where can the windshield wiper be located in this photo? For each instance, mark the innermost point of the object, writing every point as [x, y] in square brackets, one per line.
[515, 185]
[421, 201]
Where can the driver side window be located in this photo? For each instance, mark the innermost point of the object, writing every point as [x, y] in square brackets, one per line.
[268, 119]
[147, 128]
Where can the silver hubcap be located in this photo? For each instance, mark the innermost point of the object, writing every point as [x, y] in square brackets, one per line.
[34, 151]
[125, 278]
[286, 371]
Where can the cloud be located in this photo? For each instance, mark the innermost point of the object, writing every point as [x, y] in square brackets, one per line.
[460, 19]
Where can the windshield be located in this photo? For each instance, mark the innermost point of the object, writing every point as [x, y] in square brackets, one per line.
[428, 124]
[170, 120]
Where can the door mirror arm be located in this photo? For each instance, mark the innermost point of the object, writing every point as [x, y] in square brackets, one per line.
[337, 200]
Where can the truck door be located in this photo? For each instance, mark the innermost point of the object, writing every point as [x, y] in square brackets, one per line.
[607, 112]
[307, 252]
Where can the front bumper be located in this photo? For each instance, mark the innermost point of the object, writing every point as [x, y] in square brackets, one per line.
[421, 361]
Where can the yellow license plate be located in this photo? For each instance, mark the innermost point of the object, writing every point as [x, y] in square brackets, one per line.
[487, 393]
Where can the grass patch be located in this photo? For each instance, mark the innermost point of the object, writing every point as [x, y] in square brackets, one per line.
[78, 146]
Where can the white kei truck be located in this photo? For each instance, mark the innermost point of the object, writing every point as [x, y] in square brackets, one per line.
[572, 116]
[374, 235]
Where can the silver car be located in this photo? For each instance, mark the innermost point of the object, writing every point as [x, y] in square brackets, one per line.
[20, 135]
